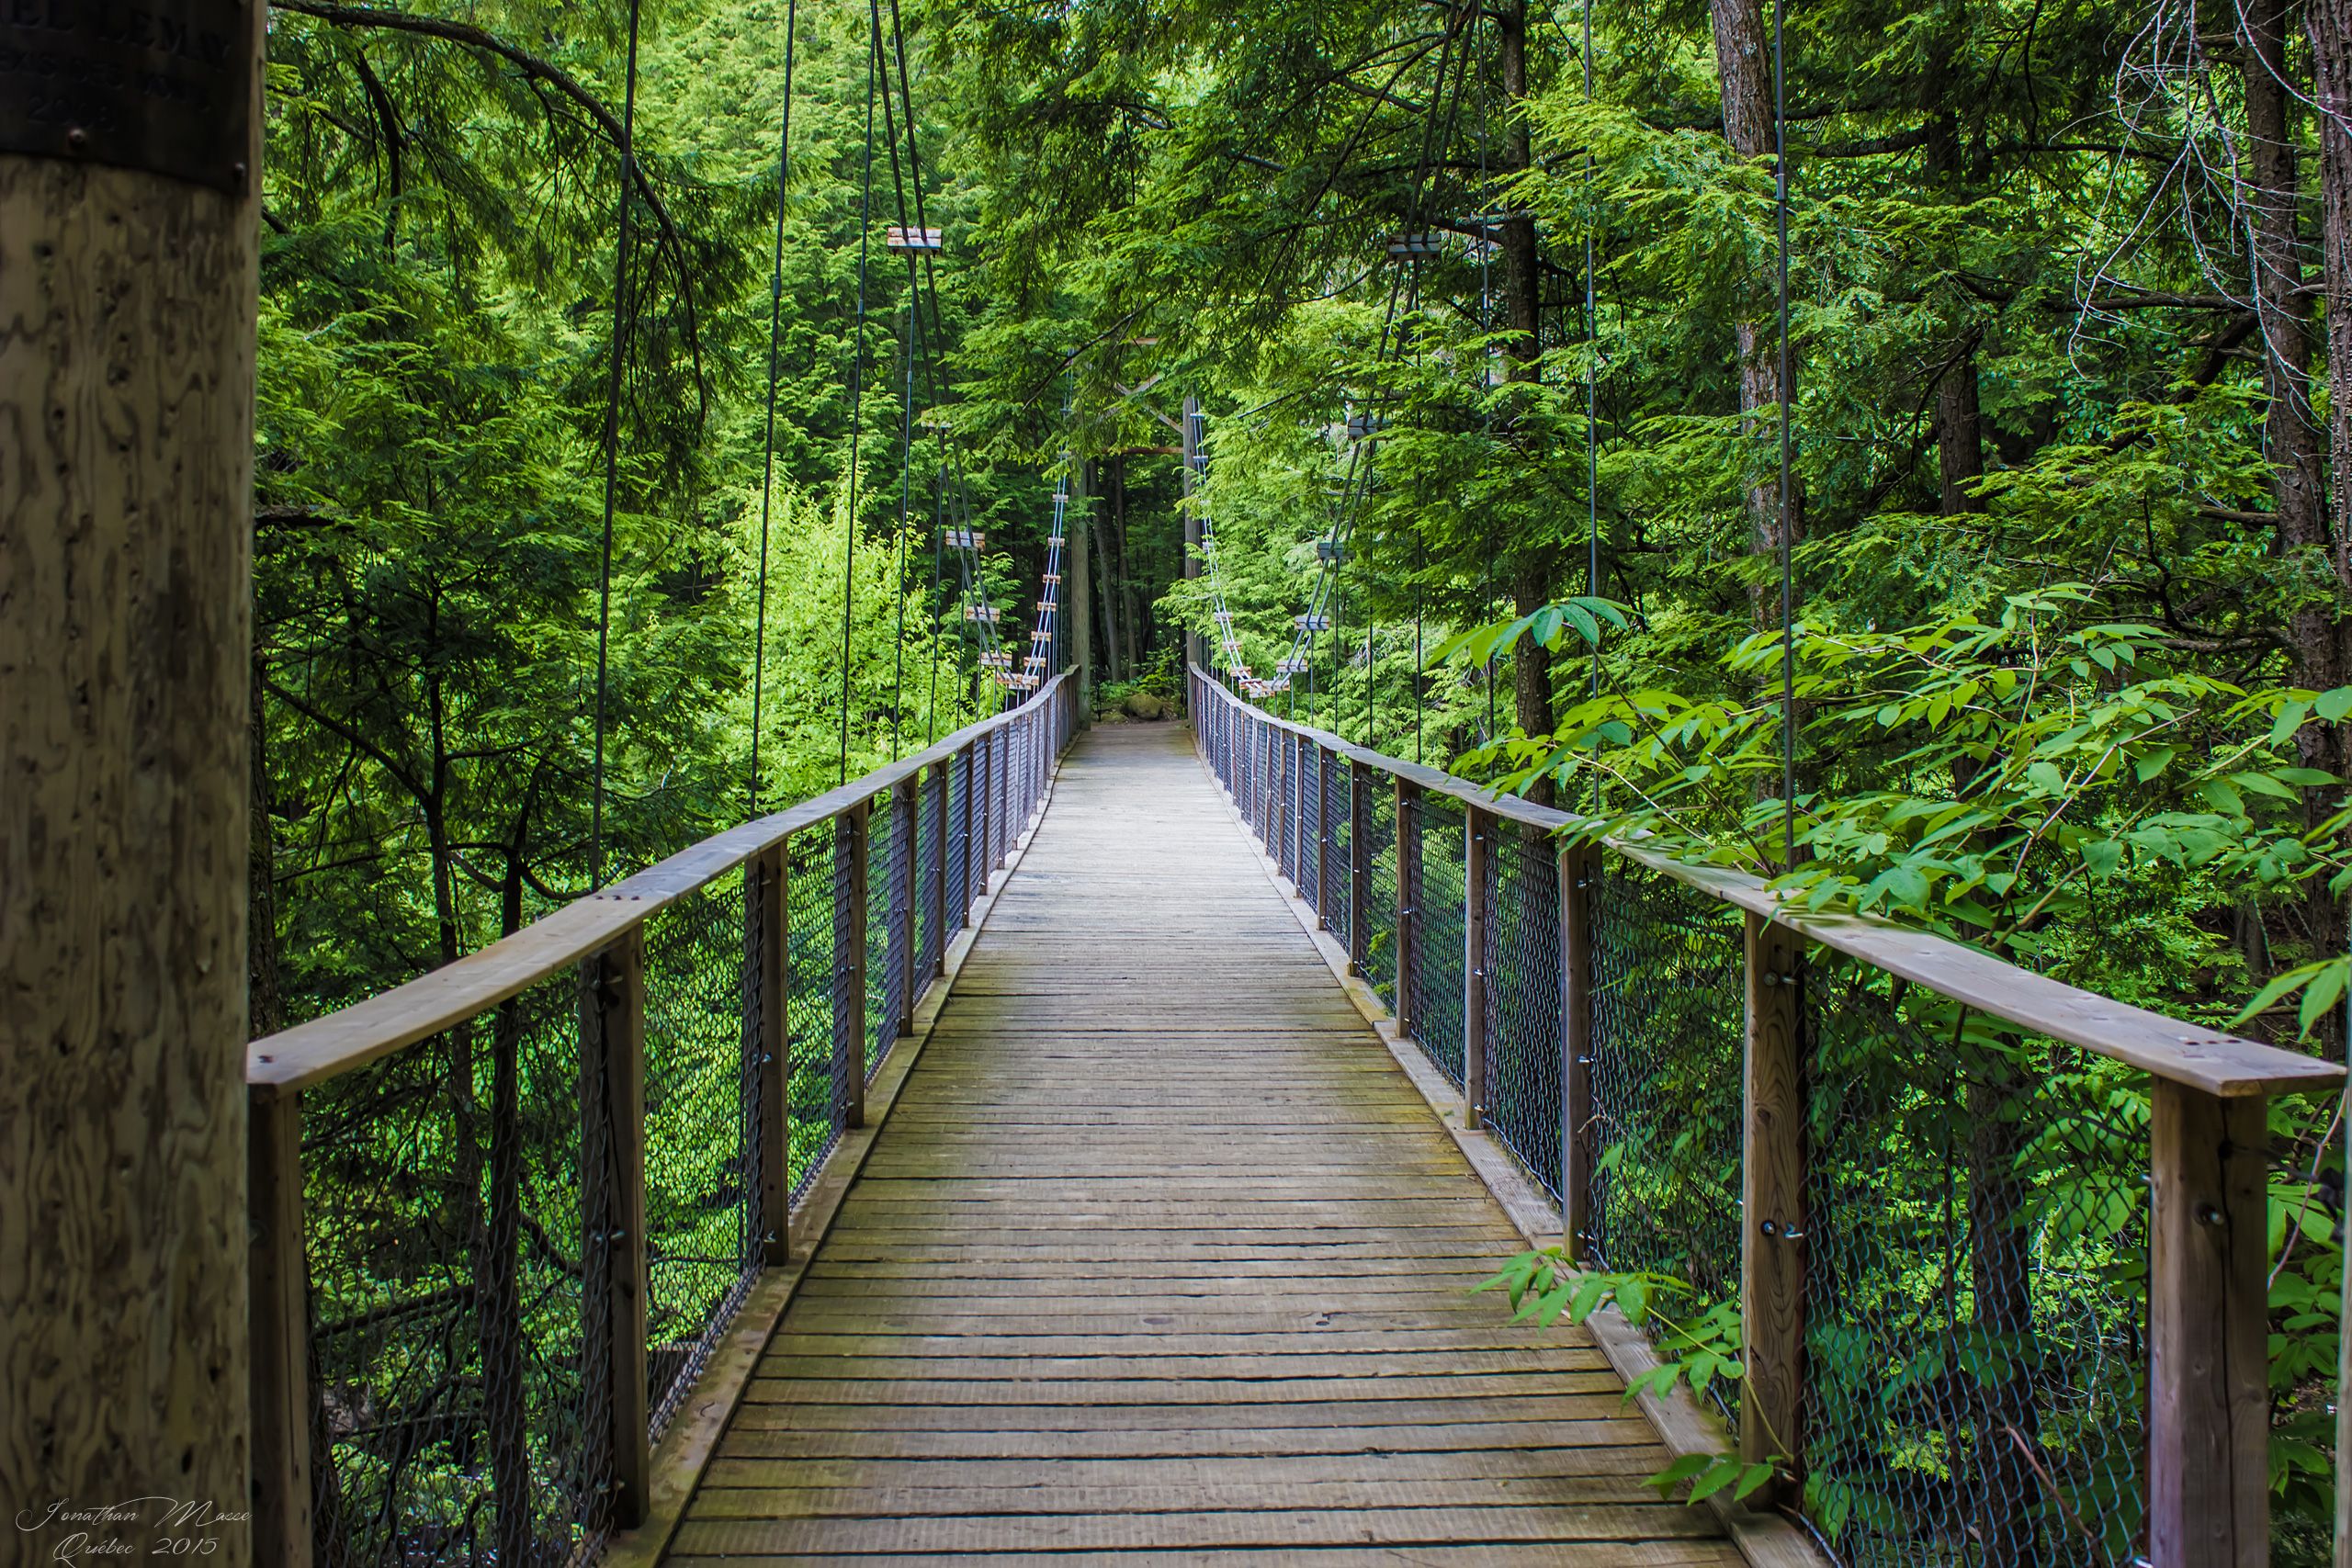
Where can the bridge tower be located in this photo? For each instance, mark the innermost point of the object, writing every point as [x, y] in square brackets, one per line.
[130, 141]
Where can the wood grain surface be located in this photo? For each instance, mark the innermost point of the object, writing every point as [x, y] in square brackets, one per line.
[1161, 1253]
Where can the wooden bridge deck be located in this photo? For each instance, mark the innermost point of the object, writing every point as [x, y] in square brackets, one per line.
[1159, 1254]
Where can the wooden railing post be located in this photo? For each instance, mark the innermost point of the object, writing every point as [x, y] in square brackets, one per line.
[1772, 1232]
[1477, 871]
[2208, 1501]
[280, 1333]
[1359, 862]
[765, 894]
[1408, 916]
[613, 1039]
[853, 839]
[935, 895]
[901, 935]
[1579, 864]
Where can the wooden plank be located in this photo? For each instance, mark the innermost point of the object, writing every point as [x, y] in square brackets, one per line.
[1116, 1217]
[1772, 1232]
[2208, 1499]
[280, 1333]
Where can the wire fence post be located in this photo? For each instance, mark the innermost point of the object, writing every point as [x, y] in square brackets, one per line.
[1408, 918]
[1579, 864]
[280, 1333]
[767, 927]
[1773, 1228]
[612, 1034]
[2208, 1501]
[849, 963]
[901, 872]
[1477, 901]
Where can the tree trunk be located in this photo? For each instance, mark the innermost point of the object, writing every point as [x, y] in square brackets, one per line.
[2328, 24]
[1105, 570]
[125, 531]
[1744, 61]
[1959, 433]
[1523, 286]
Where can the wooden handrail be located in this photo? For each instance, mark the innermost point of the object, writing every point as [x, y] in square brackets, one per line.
[2213, 1061]
[351, 1037]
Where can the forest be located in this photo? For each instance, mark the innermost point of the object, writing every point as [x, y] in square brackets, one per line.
[1932, 496]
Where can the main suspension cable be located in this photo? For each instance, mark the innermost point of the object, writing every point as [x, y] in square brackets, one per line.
[776, 338]
[612, 449]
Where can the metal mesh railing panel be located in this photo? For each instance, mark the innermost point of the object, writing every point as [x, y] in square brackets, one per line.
[1523, 999]
[1669, 1019]
[703, 1226]
[1976, 1246]
[816, 886]
[885, 979]
[1379, 938]
[452, 1202]
[1438, 911]
[1309, 880]
[1339, 833]
[963, 841]
[933, 910]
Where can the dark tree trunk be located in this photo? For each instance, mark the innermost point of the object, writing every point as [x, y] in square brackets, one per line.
[1532, 582]
[1959, 433]
[1744, 61]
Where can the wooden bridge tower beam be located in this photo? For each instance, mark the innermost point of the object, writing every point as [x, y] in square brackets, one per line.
[129, 201]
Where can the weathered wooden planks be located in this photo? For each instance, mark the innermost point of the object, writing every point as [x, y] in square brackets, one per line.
[1161, 1254]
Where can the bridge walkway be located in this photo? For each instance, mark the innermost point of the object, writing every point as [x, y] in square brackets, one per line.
[1161, 1254]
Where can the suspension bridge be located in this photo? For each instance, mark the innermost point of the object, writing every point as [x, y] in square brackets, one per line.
[1068, 1142]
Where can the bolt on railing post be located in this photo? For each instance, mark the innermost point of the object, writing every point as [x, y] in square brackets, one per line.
[1477, 897]
[1359, 861]
[613, 1039]
[1579, 864]
[1408, 916]
[854, 840]
[900, 937]
[2208, 1501]
[765, 965]
[280, 1333]
[1772, 1217]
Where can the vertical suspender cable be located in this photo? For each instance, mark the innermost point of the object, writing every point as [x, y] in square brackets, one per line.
[1788, 403]
[857, 395]
[776, 336]
[612, 449]
[906, 502]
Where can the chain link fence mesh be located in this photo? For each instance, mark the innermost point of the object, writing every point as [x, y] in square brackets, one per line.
[1339, 833]
[932, 909]
[885, 975]
[1439, 913]
[1978, 1250]
[1378, 941]
[703, 1228]
[1670, 1017]
[452, 1196]
[1523, 999]
[1313, 831]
